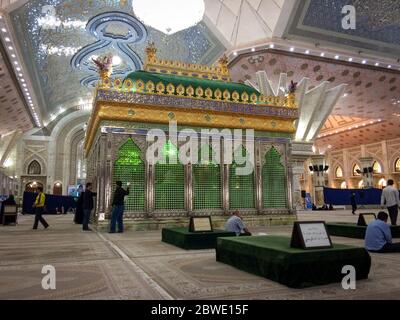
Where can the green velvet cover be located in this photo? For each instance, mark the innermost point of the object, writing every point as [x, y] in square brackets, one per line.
[182, 238]
[352, 230]
[273, 258]
[194, 82]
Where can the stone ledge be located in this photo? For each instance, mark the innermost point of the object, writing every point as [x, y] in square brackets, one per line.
[218, 222]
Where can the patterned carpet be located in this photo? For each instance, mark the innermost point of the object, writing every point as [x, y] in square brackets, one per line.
[137, 265]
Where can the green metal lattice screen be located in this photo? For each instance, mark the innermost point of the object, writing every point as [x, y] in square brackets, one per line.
[274, 181]
[129, 167]
[241, 188]
[169, 182]
[207, 183]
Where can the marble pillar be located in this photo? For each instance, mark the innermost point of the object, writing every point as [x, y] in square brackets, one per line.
[318, 180]
[299, 153]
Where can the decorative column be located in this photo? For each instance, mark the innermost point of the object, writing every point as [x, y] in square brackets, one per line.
[299, 153]
[101, 184]
[366, 171]
[319, 169]
[386, 166]
[189, 189]
[109, 171]
[225, 180]
[258, 177]
[149, 189]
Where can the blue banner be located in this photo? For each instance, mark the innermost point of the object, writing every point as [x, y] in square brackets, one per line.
[308, 201]
[53, 203]
[343, 196]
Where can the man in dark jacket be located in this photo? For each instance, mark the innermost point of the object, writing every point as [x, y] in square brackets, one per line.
[88, 205]
[78, 219]
[117, 216]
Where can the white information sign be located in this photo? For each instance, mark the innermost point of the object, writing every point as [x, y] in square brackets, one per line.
[314, 235]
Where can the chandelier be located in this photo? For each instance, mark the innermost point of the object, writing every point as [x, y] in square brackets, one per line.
[169, 16]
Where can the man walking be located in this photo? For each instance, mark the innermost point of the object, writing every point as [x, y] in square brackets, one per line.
[390, 198]
[87, 205]
[117, 216]
[39, 209]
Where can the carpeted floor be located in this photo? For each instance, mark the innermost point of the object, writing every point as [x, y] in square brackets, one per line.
[137, 265]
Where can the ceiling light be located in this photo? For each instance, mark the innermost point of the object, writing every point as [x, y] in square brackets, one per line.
[18, 69]
[7, 39]
[8, 163]
[307, 51]
[116, 60]
[336, 57]
[350, 59]
[20, 74]
[10, 48]
[253, 49]
[291, 49]
[26, 89]
[271, 45]
[235, 53]
[345, 95]
[169, 16]
[22, 80]
[364, 61]
[24, 84]
[13, 55]
[4, 29]
[322, 54]
[377, 64]
[15, 62]
[389, 66]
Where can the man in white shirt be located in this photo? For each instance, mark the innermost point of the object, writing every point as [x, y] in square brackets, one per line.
[235, 224]
[390, 198]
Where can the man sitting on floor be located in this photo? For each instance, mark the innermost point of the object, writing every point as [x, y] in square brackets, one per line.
[378, 237]
[236, 224]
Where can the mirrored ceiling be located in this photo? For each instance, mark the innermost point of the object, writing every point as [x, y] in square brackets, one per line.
[52, 32]
[377, 25]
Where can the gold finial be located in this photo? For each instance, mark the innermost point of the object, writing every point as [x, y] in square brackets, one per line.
[104, 65]
[223, 65]
[151, 52]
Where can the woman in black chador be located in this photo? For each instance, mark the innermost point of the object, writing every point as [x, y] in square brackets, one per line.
[353, 203]
[78, 219]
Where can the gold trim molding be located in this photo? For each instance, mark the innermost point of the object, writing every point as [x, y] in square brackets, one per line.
[117, 111]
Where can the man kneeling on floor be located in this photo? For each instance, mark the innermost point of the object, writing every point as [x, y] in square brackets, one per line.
[378, 237]
[236, 224]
